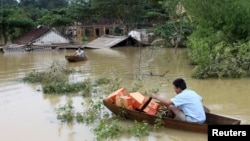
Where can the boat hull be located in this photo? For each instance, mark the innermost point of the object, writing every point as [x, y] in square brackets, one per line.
[211, 119]
[73, 58]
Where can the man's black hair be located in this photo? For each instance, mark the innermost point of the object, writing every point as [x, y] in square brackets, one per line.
[180, 83]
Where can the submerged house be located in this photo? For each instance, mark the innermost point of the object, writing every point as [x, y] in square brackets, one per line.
[38, 39]
[94, 31]
[42, 36]
[138, 37]
[109, 41]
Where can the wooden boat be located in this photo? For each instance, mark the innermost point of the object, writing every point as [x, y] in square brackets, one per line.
[211, 119]
[73, 58]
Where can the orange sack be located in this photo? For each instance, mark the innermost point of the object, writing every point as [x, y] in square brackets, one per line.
[138, 99]
[112, 97]
[152, 108]
[125, 102]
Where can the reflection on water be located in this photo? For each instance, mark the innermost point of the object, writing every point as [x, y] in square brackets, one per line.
[28, 114]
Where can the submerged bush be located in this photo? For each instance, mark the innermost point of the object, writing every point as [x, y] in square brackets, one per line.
[55, 74]
[139, 129]
[222, 60]
[55, 80]
[108, 131]
[63, 87]
[66, 113]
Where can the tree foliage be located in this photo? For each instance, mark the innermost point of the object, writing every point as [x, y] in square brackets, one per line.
[228, 16]
[129, 12]
[44, 4]
[177, 26]
[7, 2]
[13, 22]
[56, 18]
[82, 11]
[221, 32]
[34, 12]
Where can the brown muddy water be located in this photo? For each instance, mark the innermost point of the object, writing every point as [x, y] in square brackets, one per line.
[28, 114]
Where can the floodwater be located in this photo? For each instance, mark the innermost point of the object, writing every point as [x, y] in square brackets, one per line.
[28, 114]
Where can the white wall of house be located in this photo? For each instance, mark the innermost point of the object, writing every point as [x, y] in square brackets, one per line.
[52, 37]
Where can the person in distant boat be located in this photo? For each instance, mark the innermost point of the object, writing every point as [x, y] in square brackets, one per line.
[186, 105]
[79, 52]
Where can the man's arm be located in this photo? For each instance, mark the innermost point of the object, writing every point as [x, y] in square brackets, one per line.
[167, 102]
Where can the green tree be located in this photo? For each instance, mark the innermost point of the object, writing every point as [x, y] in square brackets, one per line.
[8, 2]
[221, 34]
[44, 4]
[131, 13]
[53, 4]
[56, 18]
[178, 24]
[34, 12]
[13, 22]
[82, 11]
[29, 2]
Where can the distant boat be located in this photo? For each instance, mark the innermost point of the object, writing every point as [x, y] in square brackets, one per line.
[73, 58]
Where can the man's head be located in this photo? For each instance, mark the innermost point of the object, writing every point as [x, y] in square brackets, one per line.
[179, 85]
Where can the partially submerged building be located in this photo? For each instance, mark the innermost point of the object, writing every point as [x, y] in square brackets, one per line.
[109, 41]
[39, 39]
[42, 36]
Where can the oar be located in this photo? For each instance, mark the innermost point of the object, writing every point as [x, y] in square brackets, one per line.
[145, 104]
